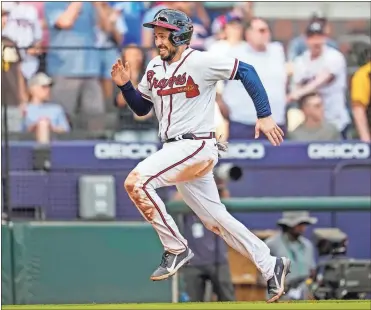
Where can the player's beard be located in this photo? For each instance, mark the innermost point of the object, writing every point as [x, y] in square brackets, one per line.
[171, 54]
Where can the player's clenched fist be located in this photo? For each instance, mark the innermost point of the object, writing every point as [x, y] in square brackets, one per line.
[269, 127]
[120, 73]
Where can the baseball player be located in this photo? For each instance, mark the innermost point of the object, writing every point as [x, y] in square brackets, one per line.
[179, 85]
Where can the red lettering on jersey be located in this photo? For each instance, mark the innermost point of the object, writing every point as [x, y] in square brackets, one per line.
[191, 88]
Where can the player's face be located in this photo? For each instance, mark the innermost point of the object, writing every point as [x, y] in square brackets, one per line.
[315, 44]
[166, 50]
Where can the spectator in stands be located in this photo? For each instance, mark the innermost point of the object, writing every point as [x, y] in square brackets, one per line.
[73, 60]
[200, 21]
[298, 45]
[233, 41]
[23, 27]
[42, 116]
[314, 127]
[361, 101]
[292, 244]
[134, 128]
[132, 14]
[232, 45]
[12, 79]
[244, 10]
[108, 41]
[322, 69]
[262, 54]
[39, 6]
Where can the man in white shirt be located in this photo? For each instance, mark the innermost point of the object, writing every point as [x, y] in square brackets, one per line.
[268, 59]
[24, 28]
[322, 69]
[233, 45]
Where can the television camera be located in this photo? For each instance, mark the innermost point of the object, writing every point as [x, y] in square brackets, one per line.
[339, 277]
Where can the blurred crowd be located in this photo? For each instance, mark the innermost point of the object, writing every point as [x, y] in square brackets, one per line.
[57, 58]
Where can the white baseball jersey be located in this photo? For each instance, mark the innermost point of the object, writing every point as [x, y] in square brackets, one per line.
[183, 93]
[333, 94]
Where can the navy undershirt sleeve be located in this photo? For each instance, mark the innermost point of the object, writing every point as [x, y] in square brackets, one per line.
[253, 85]
[134, 99]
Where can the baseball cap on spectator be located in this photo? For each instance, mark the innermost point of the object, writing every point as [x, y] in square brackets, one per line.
[223, 20]
[318, 17]
[40, 79]
[315, 28]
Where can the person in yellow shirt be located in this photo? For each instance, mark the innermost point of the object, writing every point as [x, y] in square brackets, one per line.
[361, 101]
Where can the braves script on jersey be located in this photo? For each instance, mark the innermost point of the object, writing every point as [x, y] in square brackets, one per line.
[183, 93]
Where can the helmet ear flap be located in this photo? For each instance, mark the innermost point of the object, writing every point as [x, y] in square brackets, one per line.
[174, 39]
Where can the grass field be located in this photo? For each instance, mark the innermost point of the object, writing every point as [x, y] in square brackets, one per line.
[328, 305]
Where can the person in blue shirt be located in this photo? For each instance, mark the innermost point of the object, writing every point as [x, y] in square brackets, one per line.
[73, 59]
[298, 46]
[109, 42]
[132, 14]
[41, 115]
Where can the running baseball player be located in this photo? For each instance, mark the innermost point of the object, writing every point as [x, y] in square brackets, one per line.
[179, 85]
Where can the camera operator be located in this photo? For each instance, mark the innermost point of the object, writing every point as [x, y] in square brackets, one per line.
[210, 262]
[290, 243]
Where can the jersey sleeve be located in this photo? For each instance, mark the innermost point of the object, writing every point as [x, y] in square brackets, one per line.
[219, 68]
[143, 87]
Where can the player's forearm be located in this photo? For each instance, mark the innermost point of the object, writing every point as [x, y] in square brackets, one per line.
[253, 85]
[134, 99]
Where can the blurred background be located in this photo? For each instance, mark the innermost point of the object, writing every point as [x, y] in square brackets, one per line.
[71, 235]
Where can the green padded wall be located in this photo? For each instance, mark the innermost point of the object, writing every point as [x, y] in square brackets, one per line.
[6, 276]
[87, 263]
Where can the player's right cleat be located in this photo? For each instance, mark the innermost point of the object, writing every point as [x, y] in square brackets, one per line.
[170, 264]
[276, 284]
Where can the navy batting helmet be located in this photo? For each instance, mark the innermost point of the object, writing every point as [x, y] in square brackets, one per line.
[177, 22]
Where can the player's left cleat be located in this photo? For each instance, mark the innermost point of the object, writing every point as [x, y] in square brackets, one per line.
[170, 264]
[276, 284]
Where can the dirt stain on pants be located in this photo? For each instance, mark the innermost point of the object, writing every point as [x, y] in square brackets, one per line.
[138, 196]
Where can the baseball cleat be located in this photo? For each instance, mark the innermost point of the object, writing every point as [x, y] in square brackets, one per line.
[276, 284]
[170, 264]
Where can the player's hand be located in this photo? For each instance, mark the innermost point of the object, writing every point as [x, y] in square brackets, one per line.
[120, 73]
[269, 127]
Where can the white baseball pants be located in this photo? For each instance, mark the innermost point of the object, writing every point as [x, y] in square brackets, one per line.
[189, 164]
